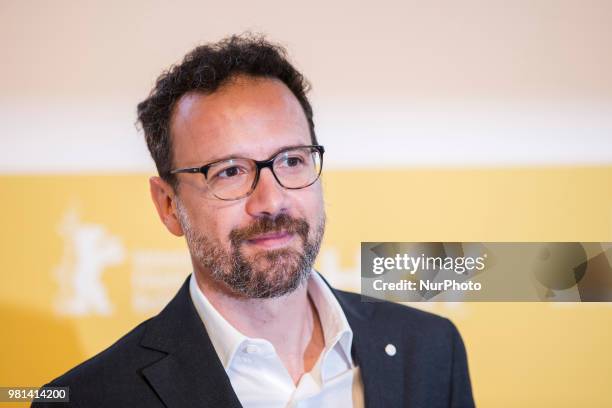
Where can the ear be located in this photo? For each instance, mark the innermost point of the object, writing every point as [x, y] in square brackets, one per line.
[164, 199]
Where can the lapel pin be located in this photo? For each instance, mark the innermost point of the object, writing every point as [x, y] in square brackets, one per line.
[390, 350]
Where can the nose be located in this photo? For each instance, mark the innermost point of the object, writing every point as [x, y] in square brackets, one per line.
[269, 197]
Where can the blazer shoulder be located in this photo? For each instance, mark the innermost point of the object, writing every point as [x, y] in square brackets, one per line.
[394, 315]
[111, 364]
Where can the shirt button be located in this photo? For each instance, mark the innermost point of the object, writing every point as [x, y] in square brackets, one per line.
[390, 350]
[252, 349]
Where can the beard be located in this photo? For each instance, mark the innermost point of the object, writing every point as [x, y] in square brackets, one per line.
[266, 274]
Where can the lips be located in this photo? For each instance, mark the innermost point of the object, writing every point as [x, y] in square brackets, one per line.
[271, 238]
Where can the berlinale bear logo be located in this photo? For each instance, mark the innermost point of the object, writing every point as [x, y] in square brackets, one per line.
[88, 250]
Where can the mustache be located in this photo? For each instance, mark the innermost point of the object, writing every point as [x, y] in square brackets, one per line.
[267, 224]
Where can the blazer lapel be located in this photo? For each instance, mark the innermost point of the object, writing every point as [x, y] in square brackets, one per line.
[382, 374]
[191, 374]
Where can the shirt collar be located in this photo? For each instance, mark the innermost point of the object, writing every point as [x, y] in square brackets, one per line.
[227, 340]
[336, 329]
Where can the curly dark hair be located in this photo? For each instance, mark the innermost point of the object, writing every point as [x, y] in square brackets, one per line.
[204, 70]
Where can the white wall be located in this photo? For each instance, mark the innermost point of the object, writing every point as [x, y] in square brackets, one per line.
[411, 83]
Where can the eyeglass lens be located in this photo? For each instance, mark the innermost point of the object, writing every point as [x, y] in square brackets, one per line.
[235, 178]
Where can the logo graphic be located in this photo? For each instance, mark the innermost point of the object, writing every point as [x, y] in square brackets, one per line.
[88, 250]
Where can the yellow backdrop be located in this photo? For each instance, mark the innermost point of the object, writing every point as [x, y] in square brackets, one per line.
[84, 259]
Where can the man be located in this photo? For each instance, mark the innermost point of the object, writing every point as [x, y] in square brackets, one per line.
[232, 135]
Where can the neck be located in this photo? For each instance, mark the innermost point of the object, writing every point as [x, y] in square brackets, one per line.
[290, 322]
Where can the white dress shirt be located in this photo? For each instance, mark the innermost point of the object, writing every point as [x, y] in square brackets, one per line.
[257, 374]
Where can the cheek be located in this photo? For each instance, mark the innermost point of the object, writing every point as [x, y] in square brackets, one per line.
[222, 223]
[219, 231]
[310, 205]
[215, 220]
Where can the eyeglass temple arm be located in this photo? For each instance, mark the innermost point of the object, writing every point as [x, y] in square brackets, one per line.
[190, 170]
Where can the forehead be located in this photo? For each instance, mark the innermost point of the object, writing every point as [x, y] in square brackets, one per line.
[249, 117]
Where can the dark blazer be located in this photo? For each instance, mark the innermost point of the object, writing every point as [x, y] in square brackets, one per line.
[169, 361]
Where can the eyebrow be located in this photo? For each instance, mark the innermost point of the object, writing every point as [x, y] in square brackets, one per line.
[240, 156]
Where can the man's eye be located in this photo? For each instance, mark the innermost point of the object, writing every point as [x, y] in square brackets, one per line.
[293, 161]
[230, 172]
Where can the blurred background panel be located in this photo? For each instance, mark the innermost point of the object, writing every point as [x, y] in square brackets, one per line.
[442, 121]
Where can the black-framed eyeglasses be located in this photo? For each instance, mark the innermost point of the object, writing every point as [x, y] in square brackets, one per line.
[235, 178]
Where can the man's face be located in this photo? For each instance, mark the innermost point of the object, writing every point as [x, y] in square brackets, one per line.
[262, 245]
